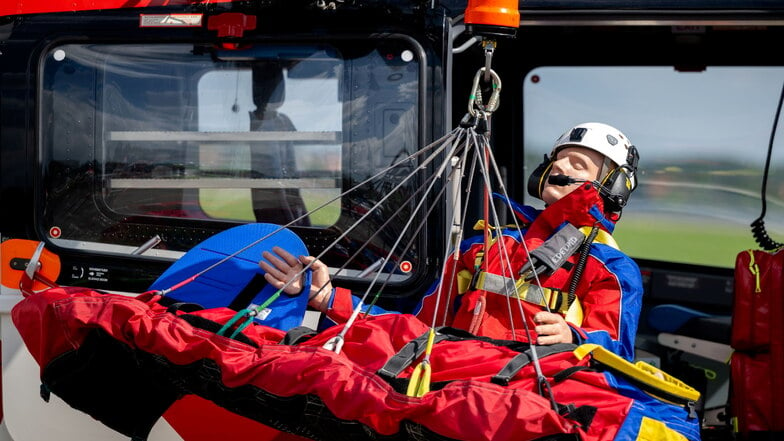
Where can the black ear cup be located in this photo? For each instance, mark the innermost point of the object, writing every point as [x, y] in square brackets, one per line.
[538, 177]
[619, 184]
[616, 189]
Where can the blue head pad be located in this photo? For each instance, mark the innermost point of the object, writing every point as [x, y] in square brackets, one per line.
[239, 281]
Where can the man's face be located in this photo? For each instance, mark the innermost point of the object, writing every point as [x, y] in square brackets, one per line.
[575, 162]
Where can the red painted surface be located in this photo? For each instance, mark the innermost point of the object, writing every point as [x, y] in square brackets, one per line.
[18, 7]
[196, 419]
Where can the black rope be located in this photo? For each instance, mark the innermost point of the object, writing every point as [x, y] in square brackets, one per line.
[758, 226]
[578, 272]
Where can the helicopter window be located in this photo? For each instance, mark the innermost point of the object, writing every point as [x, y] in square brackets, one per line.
[183, 141]
[298, 124]
[702, 137]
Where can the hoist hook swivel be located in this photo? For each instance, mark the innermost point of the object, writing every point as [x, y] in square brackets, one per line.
[489, 47]
[476, 106]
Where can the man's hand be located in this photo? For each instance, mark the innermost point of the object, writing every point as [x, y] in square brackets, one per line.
[320, 285]
[284, 267]
[551, 329]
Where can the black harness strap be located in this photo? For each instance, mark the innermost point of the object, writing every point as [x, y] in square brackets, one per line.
[583, 415]
[566, 373]
[297, 335]
[406, 355]
[505, 375]
[415, 348]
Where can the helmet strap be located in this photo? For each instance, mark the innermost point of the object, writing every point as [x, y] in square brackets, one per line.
[607, 166]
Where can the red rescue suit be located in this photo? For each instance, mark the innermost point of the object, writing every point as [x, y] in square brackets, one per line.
[609, 290]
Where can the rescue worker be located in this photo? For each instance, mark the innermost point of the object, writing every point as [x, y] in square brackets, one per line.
[593, 290]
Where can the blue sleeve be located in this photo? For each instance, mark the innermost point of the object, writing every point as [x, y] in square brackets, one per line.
[629, 278]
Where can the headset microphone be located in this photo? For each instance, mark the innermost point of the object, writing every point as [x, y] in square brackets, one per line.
[615, 200]
[563, 180]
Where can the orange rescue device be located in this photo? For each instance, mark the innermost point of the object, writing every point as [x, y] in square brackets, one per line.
[499, 17]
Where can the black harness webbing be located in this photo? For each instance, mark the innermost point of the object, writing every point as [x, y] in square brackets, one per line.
[523, 359]
[415, 348]
[297, 335]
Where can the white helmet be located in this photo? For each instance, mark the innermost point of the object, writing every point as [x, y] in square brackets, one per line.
[606, 140]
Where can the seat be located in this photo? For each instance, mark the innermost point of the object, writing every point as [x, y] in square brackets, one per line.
[700, 342]
[692, 331]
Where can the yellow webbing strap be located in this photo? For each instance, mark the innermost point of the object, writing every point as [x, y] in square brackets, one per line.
[554, 299]
[642, 372]
[419, 384]
[574, 314]
[464, 278]
[480, 225]
[601, 237]
[754, 268]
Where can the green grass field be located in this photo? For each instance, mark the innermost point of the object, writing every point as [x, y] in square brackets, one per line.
[233, 204]
[694, 243]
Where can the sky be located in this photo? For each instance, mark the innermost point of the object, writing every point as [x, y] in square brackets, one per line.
[723, 111]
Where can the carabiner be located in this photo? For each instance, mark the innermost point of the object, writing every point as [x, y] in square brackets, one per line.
[475, 102]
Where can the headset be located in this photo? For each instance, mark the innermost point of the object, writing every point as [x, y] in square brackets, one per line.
[615, 188]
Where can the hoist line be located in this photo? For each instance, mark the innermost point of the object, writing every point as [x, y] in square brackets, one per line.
[447, 252]
[416, 386]
[392, 217]
[336, 342]
[486, 153]
[419, 382]
[518, 228]
[542, 380]
[357, 222]
[382, 172]
[459, 238]
[422, 224]
[505, 260]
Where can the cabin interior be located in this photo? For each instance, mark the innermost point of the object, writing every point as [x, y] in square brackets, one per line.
[124, 145]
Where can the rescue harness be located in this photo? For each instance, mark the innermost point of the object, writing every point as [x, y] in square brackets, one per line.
[550, 256]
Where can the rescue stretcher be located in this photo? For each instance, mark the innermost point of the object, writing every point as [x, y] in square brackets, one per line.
[126, 360]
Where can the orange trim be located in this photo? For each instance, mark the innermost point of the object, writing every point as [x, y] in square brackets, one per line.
[11, 275]
[493, 13]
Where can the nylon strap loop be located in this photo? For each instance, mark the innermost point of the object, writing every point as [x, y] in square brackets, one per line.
[523, 359]
[554, 299]
[406, 355]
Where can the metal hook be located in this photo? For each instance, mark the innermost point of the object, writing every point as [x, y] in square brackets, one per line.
[489, 46]
[475, 99]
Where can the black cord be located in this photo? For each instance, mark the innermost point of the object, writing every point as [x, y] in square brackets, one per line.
[578, 271]
[758, 226]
